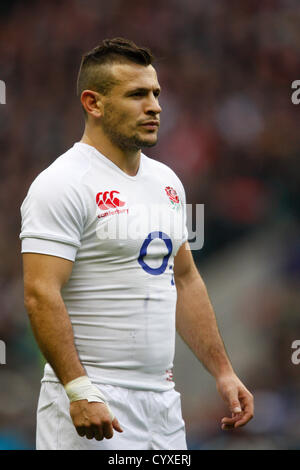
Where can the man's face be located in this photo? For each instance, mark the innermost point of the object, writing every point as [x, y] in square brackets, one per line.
[131, 109]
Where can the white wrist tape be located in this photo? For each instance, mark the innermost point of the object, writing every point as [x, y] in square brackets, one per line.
[83, 389]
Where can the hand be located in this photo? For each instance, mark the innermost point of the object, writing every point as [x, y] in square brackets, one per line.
[92, 419]
[239, 400]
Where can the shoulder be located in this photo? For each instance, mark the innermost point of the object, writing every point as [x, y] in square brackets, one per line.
[160, 167]
[59, 187]
[162, 172]
[71, 165]
[65, 173]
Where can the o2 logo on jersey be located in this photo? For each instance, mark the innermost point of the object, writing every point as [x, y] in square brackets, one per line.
[143, 252]
[109, 200]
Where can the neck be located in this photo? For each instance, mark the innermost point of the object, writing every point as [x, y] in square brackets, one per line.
[127, 160]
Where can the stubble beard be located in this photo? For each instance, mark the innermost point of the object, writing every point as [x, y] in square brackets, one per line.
[110, 126]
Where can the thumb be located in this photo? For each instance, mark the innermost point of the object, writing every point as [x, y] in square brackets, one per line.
[234, 403]
[116, 425]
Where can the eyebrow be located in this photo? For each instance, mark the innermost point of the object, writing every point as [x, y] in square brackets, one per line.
[142, 90]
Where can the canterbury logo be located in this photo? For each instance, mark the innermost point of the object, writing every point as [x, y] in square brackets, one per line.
[108, 200]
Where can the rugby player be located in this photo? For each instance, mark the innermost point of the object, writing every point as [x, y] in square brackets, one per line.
[104, 308]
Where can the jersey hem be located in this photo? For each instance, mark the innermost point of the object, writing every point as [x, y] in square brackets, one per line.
[49, 237]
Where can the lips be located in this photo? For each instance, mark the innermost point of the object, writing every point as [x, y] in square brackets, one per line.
[150, 124]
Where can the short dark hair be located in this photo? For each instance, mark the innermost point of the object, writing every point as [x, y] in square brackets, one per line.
[110, 51]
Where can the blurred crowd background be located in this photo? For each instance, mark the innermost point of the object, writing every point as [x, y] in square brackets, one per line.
[229, 130]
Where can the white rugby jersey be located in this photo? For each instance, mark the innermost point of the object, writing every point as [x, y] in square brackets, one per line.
[122, 233]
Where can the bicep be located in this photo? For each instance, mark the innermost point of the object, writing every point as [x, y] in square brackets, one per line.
[184, 265]
[44, 272]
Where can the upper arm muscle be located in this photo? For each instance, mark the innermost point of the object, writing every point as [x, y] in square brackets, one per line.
[44, 272]
[184, 265]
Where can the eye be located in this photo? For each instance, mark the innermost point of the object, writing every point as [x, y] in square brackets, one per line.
[138, 94]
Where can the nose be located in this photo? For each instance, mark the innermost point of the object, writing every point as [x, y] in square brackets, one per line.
[152, 105]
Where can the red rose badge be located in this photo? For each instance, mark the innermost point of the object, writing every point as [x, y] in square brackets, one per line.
[172, 195]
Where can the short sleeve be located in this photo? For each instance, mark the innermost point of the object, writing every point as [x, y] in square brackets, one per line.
[53, 217]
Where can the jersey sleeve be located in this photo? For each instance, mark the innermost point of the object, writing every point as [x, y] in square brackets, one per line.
[53, 217]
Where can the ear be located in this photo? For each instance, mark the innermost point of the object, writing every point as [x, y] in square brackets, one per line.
[92, 101]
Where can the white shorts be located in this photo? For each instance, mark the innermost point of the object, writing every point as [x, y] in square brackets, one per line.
[150, 420]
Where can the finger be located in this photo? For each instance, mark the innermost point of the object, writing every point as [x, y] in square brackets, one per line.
[108, 431]
[230, 420]
[236, 421]
[227, 427]
[116, 425]
[235, 407]
[81, 431]
[98, 434]
[233, 416]
[89, 433]
[230, 424]
[243, 420]
[248, 412]
[233, 401]
[248, 404]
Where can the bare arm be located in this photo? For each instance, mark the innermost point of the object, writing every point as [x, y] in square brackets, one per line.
[44, 276]
[196, 324]
[195, 318]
